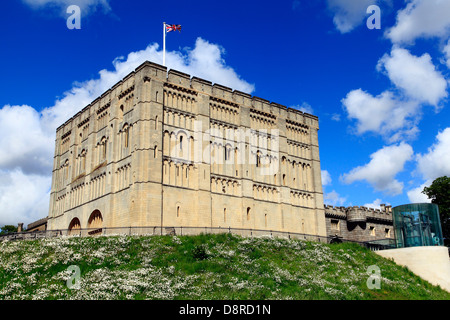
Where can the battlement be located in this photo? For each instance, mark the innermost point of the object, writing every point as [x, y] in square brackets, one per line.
[149, 70]
[360, 213]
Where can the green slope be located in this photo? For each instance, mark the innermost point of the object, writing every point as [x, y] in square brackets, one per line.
[200, 267]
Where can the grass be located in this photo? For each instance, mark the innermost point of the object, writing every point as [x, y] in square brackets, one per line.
[213, 267]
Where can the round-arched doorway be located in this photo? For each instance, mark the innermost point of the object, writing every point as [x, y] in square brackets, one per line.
[95, 223]
[74, 226]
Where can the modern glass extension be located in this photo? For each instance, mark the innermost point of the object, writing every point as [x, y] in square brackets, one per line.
[417, 224]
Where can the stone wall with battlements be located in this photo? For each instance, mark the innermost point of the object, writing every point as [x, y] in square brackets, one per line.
[359, 223]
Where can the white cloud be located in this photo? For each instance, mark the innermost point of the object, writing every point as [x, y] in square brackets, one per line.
[304, 107]
[206, 61]
[416, 76]
[447, 53]
[384, 165]
[336, 117]
[371, 112]
[395, 114]
[326, 177]
[27, 155]
[416, 196]
[431, 165]
[333, 198]
[384, 114]
[375, 204]
[86, 6]
[348, 14]
[421, 18]
[23, 141]
[23, 198]
[436, 162]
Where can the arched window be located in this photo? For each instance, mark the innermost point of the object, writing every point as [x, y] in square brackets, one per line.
[103, 148]
[228, 152]
[178, 211]
[74, 226]
[127, 137]
[83, 161]
[224, 214]
[95, 220]
[66, 169]
[248, 213]
[181, 142]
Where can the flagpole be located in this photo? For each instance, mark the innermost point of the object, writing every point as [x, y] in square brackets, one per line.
[164, 44]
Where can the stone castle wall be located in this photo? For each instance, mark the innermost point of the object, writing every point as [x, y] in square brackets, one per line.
[359, 223]
[163, 149]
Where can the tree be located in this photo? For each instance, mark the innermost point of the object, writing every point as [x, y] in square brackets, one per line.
[7, 229]
[439, 193]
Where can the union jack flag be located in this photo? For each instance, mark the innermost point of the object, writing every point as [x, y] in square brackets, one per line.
[173, 27]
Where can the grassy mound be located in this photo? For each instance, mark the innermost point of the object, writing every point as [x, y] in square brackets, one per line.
[220, 266]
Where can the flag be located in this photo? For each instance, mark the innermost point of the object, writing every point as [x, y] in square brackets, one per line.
[168, 28]
[173, 27]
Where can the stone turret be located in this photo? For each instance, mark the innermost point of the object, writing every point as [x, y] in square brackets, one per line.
[356, 214]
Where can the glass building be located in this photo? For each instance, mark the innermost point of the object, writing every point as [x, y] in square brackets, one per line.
[417, 224]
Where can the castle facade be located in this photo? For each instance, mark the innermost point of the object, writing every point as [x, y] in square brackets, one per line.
[160, 148]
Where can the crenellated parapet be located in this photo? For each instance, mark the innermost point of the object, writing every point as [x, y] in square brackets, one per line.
[335, 212]
[173, 78]
[359, 213]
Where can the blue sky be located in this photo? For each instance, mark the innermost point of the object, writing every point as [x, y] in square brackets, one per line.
[381, 95]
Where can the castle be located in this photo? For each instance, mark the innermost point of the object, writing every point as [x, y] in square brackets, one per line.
[160, 148]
